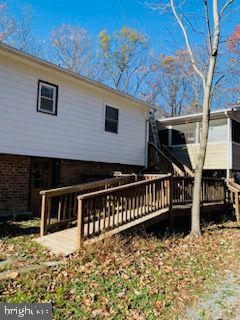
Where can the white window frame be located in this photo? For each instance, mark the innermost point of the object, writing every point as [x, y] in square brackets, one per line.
[41, 84]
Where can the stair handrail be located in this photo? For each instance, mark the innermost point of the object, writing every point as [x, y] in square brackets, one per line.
[234, 188]
[175, 167]
[234, 185]
[186, 168]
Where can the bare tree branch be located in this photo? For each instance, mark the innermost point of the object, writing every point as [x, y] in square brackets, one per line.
[226, 5]
[198, 71]
[209, 33]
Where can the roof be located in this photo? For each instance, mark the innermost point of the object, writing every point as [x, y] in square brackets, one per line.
[39, 61]
[216, 114]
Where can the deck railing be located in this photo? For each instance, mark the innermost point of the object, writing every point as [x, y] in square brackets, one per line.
[182, 190]
[101, 206]
[106, 210]
[177, 161]
[166, 160]
[59, 206]
[159, 158]
[234, 196]
[213, 190]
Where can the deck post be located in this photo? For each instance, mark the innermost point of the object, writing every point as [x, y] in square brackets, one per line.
[237, 206]
[170, 192]
[80, 223]
[225, 197]
[48, 206]
[43, 224]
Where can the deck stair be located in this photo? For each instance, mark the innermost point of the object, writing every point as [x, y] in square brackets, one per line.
[180, 164]
[93, 211]
[165, 161]
[161, 156]
[234, 196]
[160, 162]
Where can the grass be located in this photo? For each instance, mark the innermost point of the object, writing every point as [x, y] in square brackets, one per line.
[133, 277]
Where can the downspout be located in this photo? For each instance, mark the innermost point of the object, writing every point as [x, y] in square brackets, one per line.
[146, 140]
[170, 136]
[229, 158]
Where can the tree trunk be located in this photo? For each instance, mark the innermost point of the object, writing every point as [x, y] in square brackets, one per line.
[213, 34]
[207, 86]
[196, 207]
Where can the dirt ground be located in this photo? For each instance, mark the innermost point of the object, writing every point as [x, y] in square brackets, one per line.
[222, 301]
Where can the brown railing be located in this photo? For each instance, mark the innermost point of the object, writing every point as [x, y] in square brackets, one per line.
[233, 196]
[213, 190]
[112, 205]
[102, 211]
[180, 164]
[59, 206]
[182, 190]
[167, 161]
[156, 157]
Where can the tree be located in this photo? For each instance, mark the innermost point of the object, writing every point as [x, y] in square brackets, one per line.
[17, 31]
[124, 56]
[7, 24]
[234, 41]
[173, 84]
[72, 49]
[213, 16]
[233, 45]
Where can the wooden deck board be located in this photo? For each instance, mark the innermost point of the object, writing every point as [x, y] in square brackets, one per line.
[60, 242]
[65, 241]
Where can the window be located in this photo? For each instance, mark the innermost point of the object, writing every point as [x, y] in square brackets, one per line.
[47, 97]
[184, 134]
[111, 119]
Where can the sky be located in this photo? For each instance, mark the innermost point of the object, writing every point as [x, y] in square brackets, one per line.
[99, 15]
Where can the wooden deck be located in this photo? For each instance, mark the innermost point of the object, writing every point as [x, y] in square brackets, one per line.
[104, 208]
[65, 241]
[60, 242]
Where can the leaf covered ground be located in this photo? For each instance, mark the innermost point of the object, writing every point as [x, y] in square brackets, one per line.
[141, 276]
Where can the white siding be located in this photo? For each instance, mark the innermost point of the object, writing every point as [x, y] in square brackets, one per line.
[77, 132]
[216, 155]
[217, 147]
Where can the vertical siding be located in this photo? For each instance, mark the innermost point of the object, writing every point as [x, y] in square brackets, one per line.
[77, 132]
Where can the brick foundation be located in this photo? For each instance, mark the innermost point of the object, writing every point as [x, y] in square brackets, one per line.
[15, 178]
[14, 183]
[75, 172]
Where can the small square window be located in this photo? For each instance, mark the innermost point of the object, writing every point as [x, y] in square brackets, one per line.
[111, 119]
[47, 97]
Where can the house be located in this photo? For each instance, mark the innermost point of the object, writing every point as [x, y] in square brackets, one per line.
[58, 128]
[181, 136]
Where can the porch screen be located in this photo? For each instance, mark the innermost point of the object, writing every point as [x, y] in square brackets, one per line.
[184, 134]
[235, 131]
